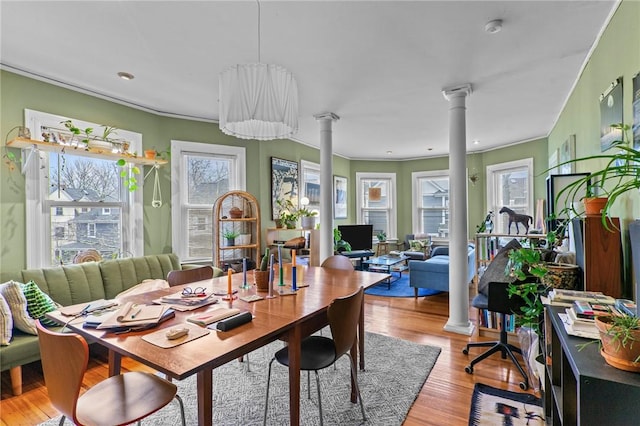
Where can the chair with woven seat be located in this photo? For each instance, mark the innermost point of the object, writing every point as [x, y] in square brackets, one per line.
[498, 301]
[118, 400]
[338, 261]
[318, 352]
[186, 276]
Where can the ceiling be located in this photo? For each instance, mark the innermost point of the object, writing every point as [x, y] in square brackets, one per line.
[380, 66]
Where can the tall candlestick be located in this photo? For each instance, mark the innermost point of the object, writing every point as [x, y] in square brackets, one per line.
[294, 287]
[244, 273]
[280, 270]
[229, 289]
[270, 294]
[293, 258]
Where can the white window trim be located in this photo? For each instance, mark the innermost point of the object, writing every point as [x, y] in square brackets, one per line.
[393, 214]
[415, 197]
[178, 195]
[38, 217]
[491, 183]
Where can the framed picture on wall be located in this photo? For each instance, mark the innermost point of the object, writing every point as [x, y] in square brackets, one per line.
[610, 113]
[567, 152]
[284, 183]
[635, 104]
[339, 197]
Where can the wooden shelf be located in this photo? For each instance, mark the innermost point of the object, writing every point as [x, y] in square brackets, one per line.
[85, 152]
[225, 255]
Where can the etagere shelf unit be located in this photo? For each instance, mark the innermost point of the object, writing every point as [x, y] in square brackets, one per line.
[237, 212]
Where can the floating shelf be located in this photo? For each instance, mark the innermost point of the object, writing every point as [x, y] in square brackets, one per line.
[90, 152]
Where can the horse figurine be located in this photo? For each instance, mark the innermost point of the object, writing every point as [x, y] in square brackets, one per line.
[517, 218]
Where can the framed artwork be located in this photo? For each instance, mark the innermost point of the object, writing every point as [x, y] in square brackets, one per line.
[553, 162]
[610, 113]
[339, 197]
[284, 183]
[635, 99]
[567, 152]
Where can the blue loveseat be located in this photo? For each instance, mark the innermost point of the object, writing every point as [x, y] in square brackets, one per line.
[433, 273]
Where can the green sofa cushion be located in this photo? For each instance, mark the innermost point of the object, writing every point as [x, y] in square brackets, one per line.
[121, 274]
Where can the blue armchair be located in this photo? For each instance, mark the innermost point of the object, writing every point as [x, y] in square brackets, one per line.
[433, 273]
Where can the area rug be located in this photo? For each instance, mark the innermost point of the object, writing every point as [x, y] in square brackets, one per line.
[395, 372]
[491, 406]
[399, 288]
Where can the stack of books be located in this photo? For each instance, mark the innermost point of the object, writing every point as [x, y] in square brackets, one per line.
[561, 297]
[180, 302]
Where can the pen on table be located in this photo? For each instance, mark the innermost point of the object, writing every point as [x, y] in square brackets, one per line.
[136, 313]
[85, 310]
[127, 311]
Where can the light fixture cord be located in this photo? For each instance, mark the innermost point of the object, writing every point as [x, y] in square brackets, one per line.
[258, 2]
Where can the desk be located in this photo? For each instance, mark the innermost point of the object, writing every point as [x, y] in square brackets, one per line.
[290, 318]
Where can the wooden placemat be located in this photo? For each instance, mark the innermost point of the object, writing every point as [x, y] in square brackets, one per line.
[159, 338]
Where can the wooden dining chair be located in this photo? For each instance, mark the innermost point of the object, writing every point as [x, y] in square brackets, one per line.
[186, 276]
[118, 400]
[338, 261]
[318, 352]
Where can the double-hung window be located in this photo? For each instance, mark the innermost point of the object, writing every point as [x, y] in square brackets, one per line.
[310, 173]
[431, 202]
[200, 173]
[75, 203]
[510, 185]
[376, 202]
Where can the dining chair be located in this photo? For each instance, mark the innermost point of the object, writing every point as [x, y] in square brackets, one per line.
[338, 261]
[186, 276]
[118, 400]
[318, 352]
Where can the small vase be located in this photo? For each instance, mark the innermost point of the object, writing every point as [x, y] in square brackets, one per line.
[150, 154]
[308, 222]
[261, 279]
[231, 242]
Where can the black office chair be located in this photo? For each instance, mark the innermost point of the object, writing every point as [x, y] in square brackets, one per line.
[498, 301]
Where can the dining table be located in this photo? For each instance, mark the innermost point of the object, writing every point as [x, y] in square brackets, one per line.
[288, 315]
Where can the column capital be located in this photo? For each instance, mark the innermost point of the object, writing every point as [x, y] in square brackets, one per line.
[456, 91]
[327, 116]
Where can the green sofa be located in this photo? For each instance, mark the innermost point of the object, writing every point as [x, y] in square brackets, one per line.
[80, 283]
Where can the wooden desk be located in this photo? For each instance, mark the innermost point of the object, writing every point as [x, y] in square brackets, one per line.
[290, 318]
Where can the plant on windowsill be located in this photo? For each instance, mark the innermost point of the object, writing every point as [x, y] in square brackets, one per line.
[382, 236]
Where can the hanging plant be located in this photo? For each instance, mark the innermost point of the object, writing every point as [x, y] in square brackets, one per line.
[128, 176]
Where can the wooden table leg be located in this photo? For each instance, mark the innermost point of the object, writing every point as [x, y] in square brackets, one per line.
[360, 338]
[115, 362]
[294, 340]
[205, 396]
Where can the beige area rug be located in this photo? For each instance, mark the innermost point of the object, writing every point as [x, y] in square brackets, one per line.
[395, 372]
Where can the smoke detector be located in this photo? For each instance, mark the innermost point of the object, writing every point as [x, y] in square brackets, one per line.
[494, 26]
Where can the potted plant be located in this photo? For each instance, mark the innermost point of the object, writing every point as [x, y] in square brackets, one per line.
[620, 338]
[230, 236]
[85, 134]
[339, 245]
[287, 213]
[620, 174]
[382, 236]
[129, 178]
[307, 218]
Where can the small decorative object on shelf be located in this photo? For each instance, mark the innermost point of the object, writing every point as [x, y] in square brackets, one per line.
[235, 213]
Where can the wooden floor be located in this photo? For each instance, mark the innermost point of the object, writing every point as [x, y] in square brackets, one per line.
[444, 400]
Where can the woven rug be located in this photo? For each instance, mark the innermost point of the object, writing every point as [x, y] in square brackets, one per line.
[395, 372]
[399, 288]
[491, 406]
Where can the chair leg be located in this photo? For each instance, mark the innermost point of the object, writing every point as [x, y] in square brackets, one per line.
[266, 402]
[309, 384]
[62, 419]
[319, 399]
[181, 404]
[354, 374]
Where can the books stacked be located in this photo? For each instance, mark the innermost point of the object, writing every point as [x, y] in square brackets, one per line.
[181, 302]
[627, 307]
[581, 317]
[561, 297]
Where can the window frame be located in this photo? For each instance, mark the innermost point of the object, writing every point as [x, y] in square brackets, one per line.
[313, 167]
[392, 232]
[416, 222]
[492, 172]
[179, 216]
[38, 207]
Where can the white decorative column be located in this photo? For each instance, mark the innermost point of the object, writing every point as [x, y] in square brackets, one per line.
[458, 234]
[326, 183]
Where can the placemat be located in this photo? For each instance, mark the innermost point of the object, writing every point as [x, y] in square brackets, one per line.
[159, 338]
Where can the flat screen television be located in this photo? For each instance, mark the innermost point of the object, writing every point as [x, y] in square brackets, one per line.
[360, 237]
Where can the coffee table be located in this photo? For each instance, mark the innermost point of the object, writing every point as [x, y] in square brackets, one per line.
[388, 264]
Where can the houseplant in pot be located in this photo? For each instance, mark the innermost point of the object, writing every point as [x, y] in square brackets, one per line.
[620, 338]
[230, 236]
[307, 218]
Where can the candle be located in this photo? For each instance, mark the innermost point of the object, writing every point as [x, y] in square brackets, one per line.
[280, 270]
[293, 258]
[244, 271]
[294, 287]
[270, 295]
[229, 289]
[279, 256]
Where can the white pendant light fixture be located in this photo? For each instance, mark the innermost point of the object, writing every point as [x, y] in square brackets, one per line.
[258, 101]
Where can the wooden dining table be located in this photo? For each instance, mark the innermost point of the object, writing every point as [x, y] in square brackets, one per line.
[285, 317]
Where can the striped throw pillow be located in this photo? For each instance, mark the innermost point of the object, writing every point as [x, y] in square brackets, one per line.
[6, 322]
[12, 293]
[38, 303]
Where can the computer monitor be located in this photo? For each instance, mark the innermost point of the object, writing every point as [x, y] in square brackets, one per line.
[360, 237]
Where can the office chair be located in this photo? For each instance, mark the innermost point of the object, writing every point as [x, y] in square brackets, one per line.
[338, 261]
[318, 352]
[186, 276]
[498, 300]
[118, 400]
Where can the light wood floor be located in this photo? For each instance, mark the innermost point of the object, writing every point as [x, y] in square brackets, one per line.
[444, 400]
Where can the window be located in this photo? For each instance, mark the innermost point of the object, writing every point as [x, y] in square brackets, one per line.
[376, 201]
[431, 202]
[510, 185]
[83, 201]
[310, 173]
[200, 173]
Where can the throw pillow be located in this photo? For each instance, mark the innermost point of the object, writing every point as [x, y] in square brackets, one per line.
[415, 245]
[6, 322]
[38, 303]
[12, 293]
[495, 270]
